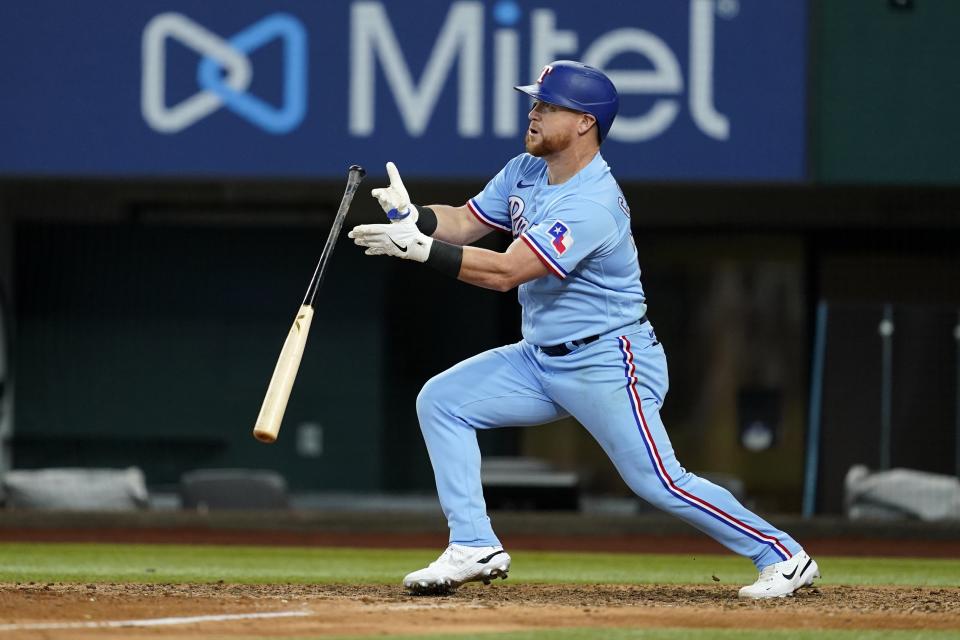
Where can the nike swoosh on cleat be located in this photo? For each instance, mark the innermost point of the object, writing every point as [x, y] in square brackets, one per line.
[520, 185]
[789, 576]
[404, 249]
[489, 557]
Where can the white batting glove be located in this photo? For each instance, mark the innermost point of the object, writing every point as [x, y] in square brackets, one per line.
[400, 240]
[394, 199]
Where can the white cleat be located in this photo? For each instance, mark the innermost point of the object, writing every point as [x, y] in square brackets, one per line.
[783, 578]
[456, 565]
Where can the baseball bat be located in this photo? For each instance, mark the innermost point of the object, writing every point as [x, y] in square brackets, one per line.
[288, 364]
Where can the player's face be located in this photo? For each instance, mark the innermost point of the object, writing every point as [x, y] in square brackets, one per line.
[552, 129]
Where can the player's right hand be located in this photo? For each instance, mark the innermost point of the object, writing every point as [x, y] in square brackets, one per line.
[394, 199]
[402, 240]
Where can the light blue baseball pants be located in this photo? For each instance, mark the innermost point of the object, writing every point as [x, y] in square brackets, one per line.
[614, 387]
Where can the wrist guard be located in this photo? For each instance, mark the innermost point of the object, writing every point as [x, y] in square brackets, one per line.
[426, 220]
[445, 258]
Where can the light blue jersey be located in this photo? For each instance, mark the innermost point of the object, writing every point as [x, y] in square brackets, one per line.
[581, 231]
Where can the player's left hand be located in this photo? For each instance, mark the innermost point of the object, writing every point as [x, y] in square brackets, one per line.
[394, 199]
[401, 240]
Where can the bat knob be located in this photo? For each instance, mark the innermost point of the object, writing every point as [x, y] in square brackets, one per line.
[358, 169]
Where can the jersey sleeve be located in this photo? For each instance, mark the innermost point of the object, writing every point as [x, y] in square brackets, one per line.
[490, 205]
[573, 231]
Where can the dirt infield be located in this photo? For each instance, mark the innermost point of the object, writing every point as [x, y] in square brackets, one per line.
[326, 610]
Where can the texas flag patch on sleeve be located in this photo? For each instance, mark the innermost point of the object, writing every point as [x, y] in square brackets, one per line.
[562, 238]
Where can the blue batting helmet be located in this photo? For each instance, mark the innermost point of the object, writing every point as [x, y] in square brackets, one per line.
[579, 87]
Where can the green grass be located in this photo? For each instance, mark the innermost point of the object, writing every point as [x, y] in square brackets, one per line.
[25, 562]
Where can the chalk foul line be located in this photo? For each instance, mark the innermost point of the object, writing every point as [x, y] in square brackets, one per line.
[152, 622]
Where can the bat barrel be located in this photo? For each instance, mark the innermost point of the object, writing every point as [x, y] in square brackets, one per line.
[264, 436]
[281, 383]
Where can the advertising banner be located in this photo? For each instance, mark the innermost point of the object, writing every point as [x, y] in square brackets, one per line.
[711, 90]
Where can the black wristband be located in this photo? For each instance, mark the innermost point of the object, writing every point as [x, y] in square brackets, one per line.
[445, 258]
[426, 220]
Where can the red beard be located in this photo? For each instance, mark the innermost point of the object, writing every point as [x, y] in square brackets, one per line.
[541, 145]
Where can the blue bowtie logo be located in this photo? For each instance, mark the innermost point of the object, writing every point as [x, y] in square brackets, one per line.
[225, 73]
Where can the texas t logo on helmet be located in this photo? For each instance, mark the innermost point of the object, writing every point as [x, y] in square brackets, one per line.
[547, 69]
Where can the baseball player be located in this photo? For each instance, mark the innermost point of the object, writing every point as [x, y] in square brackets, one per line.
[588, 349]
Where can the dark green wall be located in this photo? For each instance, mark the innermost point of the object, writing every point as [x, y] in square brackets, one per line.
[885, 92]
[6, 327]
[153, 346]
